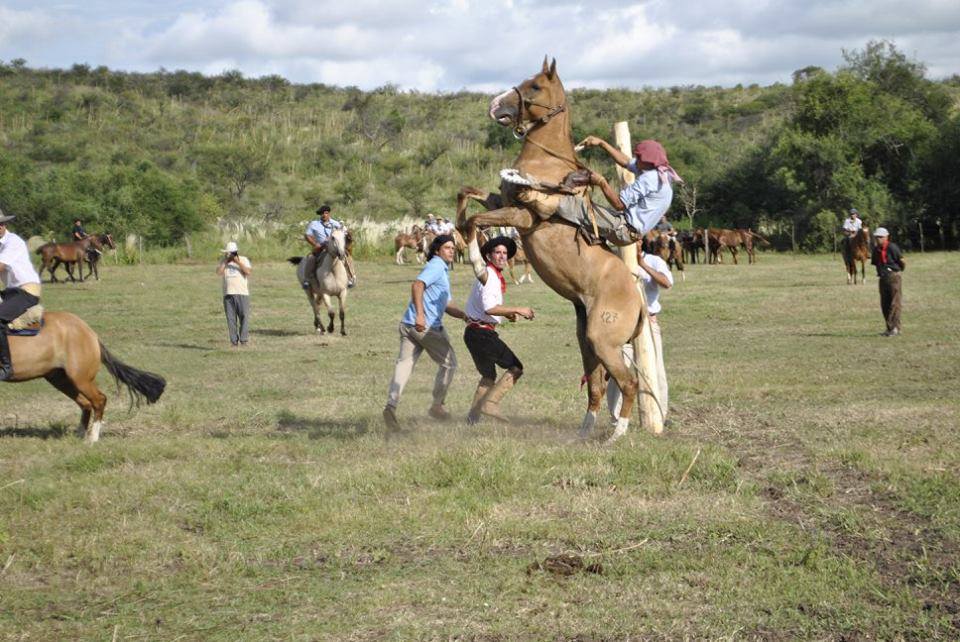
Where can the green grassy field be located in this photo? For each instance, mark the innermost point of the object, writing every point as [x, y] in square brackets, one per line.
[260, 500]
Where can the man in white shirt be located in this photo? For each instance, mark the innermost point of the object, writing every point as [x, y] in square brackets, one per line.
[655, 274]
[20, 289]
[485, 312]
[852, 224]
[235, 270]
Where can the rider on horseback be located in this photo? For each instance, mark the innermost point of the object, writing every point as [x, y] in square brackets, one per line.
[317, 235]
[639, 205]
[21, 287]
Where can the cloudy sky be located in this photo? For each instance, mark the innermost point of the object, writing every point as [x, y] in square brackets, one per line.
[484, 45]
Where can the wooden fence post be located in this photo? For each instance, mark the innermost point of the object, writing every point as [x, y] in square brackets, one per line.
[648, 396]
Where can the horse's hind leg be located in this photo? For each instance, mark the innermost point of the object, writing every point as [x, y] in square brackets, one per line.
[592, 371]
[343, 313]
[59, 380]
[609, 352]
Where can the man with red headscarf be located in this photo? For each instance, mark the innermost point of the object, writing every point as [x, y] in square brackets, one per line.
[646, 200]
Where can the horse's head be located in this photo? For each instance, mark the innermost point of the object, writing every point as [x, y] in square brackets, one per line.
[337, 244]
[107, 239]
[531, 103]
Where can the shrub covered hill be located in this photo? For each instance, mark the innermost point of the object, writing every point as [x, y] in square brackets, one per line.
[169, 154]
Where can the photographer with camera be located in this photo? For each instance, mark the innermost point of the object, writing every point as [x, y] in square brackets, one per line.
[235, 270]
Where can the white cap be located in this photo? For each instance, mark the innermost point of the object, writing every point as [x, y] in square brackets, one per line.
[231, 247]
[881, 231]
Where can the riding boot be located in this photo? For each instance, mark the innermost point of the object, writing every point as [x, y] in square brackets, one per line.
[491, 403]
[6, 368]
[482, 389]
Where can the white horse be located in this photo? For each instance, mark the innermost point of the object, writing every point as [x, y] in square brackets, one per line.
[329, 279]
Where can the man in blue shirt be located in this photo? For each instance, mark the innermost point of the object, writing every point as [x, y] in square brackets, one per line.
[422, 329]
[317, 235]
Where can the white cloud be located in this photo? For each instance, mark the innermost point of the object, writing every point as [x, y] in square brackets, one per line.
[479, 44]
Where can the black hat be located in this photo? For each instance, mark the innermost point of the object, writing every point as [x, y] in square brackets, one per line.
[438, 241]
[323, 208]
[505, 241]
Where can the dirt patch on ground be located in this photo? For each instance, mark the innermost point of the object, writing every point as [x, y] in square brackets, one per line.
[565, 564]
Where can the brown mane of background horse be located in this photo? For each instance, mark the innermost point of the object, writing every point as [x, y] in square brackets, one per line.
[68, 354]
[593, 279]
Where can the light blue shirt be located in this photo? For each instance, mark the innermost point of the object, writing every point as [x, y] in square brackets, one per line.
[320, 231]
[647, 198]
[436, 276]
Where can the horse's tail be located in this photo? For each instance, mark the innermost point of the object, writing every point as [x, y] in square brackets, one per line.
[295, 260]
[140, 384]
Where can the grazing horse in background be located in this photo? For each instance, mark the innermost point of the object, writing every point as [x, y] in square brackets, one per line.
[413, 240]
[68, 354]
[329, 279]
[670, 251]
[93, 257]
[692, 242]
[747, 239]
[460, 245]
[603, 292]
[720, 239]
[520, 258]
[69, 254]
[857, 248]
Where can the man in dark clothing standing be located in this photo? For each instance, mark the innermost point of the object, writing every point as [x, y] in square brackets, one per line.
[889, 262]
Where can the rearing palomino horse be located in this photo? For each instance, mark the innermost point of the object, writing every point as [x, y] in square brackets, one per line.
[598, 284]
[330, 279]
[68, 354]
[856, 248]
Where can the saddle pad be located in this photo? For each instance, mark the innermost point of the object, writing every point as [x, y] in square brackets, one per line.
[27, 324]
[30, 331]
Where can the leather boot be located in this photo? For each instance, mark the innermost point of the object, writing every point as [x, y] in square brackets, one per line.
[491, 403]
[6, 369]
[482, 389]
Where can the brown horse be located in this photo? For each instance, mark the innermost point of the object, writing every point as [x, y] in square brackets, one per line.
[748, 239]
[670, 250]
[520, 258]
[598, 284]
[68, 354]
[52, 255]
[93, 258]
[856, 248]
[413, 240]
[720, 239]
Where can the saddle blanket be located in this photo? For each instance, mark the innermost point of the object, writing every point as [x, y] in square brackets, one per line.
[28, 331]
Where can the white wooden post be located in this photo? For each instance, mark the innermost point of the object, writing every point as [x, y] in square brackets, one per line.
[648, 397]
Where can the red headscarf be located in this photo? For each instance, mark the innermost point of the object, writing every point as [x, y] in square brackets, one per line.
[650, 151]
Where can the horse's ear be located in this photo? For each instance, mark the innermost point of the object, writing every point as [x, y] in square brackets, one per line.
[553, 69]
[546, 68]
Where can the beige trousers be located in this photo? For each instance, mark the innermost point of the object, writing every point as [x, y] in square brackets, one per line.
[615, 398]
[412, 344]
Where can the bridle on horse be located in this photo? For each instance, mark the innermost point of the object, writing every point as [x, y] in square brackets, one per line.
[523, 127]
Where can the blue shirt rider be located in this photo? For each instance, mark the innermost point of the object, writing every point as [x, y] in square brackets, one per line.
[317, 235]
